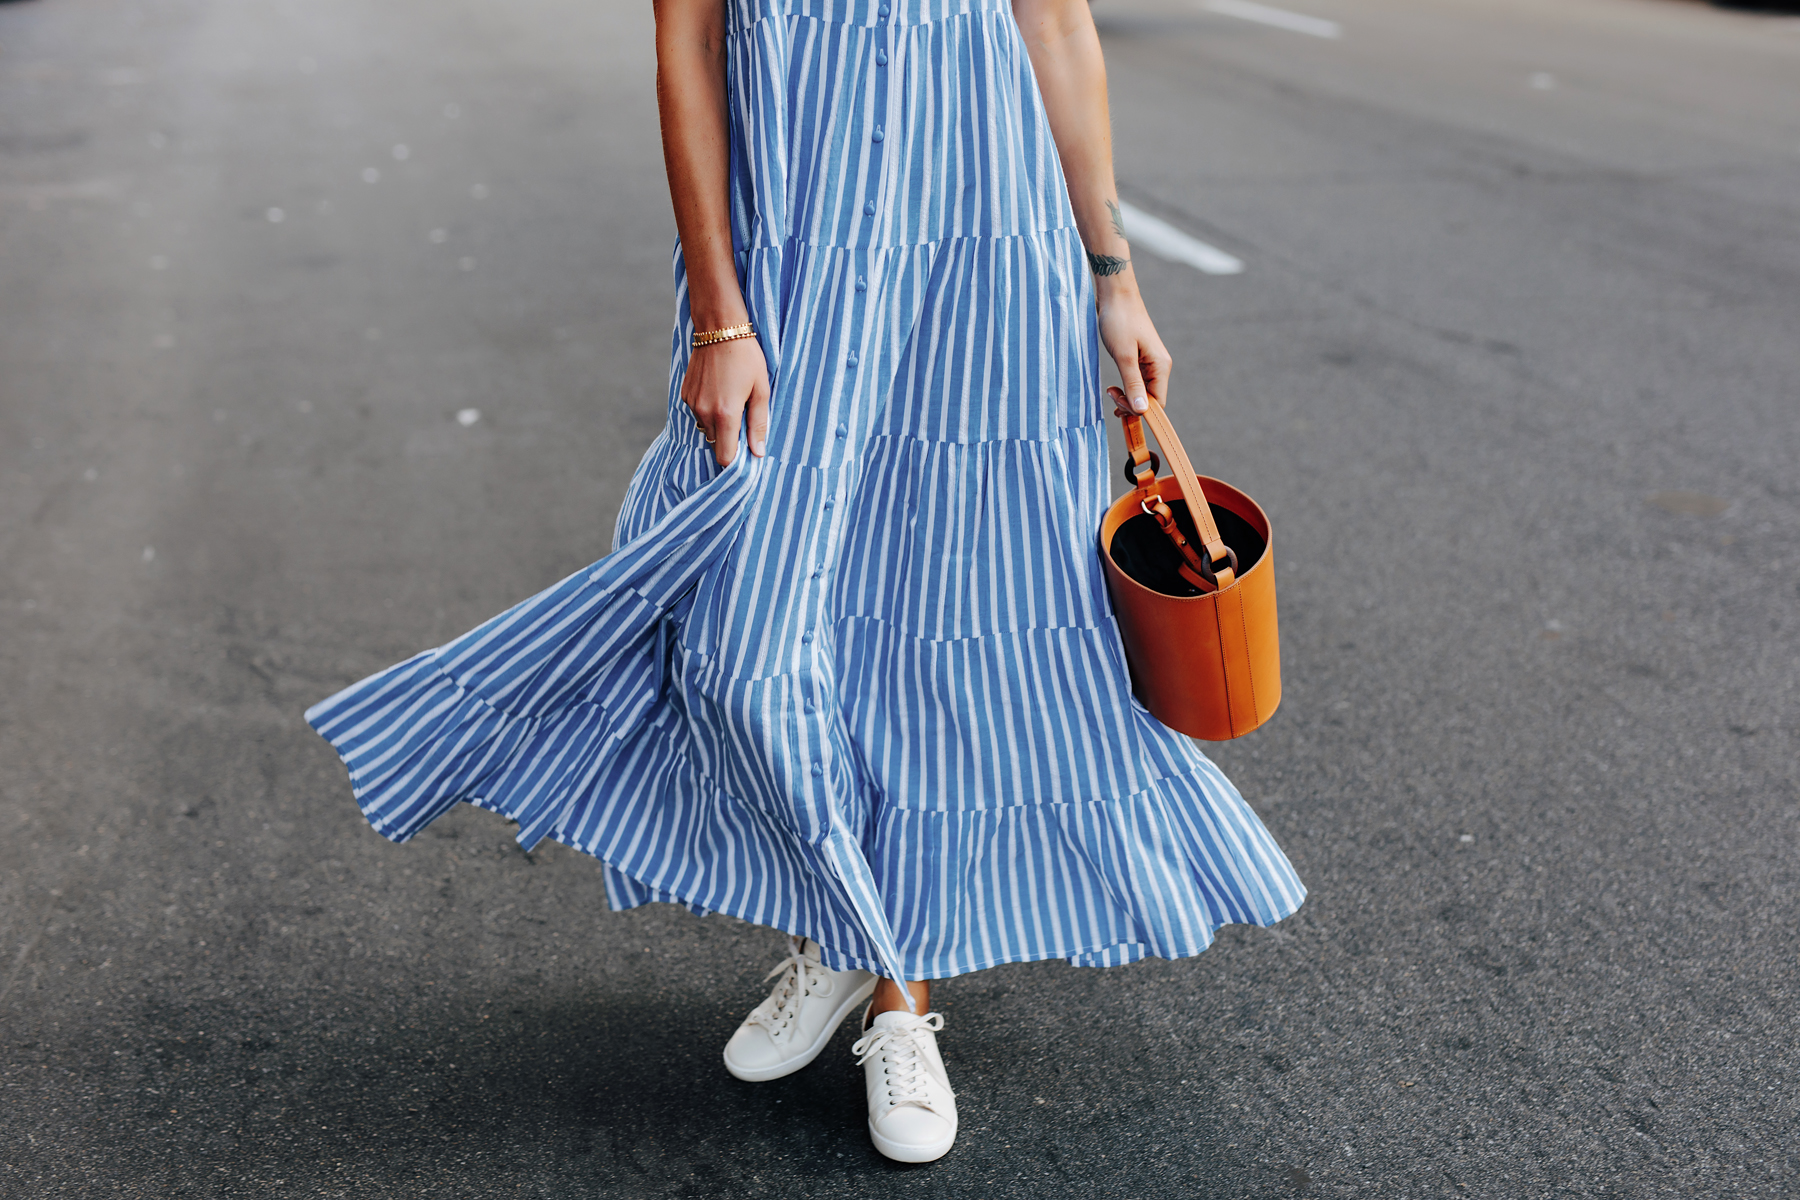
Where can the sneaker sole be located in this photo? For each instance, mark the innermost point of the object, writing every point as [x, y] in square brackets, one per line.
[780, 1069]
[906, 1152]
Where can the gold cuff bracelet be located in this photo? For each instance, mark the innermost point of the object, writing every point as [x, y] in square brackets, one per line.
[729, 333]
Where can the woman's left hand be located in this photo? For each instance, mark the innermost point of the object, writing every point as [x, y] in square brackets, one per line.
[1129, 336]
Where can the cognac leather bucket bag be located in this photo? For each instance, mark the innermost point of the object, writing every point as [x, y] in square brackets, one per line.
[1192, 575]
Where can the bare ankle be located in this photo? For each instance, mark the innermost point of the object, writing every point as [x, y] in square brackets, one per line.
[889, 997]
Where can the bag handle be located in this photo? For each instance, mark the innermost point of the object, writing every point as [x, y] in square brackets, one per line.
[1214, 568]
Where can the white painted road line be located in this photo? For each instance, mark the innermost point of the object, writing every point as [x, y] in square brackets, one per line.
[1165, 241]
[1280, 18]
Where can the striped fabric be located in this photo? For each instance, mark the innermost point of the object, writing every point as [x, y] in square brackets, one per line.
[868, 688]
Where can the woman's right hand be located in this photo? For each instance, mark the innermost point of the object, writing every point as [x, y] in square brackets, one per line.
[725, 382]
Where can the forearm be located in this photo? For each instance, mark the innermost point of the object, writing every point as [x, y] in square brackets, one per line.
[1071, 73]
[695, 111]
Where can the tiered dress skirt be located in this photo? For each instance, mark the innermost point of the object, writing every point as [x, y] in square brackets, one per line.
[867, 688]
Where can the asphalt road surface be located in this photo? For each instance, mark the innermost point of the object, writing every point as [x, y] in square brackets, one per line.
[328, 329]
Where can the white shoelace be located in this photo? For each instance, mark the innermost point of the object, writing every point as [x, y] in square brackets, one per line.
[778, 1012]
[909, 1080]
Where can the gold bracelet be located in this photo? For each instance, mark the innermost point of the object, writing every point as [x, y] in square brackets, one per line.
[729, 333]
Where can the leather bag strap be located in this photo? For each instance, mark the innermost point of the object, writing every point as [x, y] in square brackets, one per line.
[1214, 566]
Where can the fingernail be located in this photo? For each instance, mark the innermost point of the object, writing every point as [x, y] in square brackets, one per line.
[1139, 404]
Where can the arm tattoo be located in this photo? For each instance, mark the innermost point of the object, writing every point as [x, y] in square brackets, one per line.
[1118, 217]
[1106, 264]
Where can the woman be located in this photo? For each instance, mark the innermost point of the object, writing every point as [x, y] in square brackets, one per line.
[851, 670]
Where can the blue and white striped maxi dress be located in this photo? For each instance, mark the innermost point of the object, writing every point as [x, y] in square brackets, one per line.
[868, 688]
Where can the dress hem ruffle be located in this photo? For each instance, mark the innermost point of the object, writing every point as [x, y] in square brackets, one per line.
[1113, 954]
[1143, 850]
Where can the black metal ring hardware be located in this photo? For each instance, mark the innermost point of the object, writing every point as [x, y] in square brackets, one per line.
[1131, 468]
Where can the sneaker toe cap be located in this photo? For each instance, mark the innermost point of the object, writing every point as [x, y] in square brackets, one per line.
[752, 1048]
[914, 1126]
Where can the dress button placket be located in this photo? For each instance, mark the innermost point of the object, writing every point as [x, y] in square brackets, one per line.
[877, 134]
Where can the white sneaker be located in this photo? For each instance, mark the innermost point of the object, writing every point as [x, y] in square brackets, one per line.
[912, 1111]
[787, 1030]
